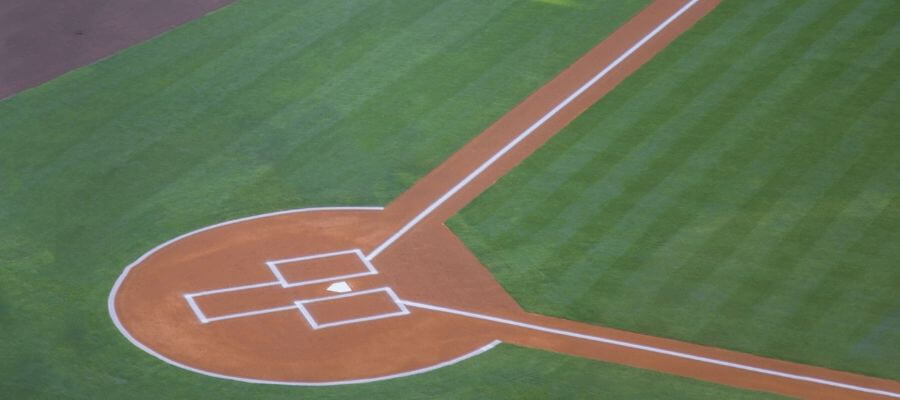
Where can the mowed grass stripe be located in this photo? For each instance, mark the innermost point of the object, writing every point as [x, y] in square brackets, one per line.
[701, 210]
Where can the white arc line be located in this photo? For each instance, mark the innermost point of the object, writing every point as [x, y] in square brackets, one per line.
[652, 349]
[527, 132]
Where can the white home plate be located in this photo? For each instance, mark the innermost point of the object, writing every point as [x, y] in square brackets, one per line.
[339, 287]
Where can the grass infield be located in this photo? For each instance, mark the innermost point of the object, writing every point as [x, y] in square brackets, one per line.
[740, 190]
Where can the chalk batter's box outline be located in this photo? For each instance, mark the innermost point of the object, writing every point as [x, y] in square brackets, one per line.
[274, 266]
[402, 310]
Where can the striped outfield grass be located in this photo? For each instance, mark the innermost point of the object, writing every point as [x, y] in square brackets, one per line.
[742, 190]
[263, 106]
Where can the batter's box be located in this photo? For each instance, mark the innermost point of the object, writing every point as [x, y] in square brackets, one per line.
[351, 308]
[318, 268]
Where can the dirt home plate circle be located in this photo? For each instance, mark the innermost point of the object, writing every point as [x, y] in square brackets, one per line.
[329, 296]
[292, 298]
[340, 295]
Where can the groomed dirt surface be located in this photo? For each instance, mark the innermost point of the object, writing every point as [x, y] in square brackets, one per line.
[42, 39]
[429, 269]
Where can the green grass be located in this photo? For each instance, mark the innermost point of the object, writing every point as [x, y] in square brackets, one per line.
[263, 106]
[741, 190]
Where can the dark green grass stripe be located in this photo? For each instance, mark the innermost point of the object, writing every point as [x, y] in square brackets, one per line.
[693, 138]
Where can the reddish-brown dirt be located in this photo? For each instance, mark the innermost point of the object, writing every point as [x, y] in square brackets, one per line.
[42, 39]
[428, 264]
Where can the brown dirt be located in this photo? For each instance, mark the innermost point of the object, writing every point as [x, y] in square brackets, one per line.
[428, 265]
[42, 39]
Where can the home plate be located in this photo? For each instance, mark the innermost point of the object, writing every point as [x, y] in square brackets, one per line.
[339, 287]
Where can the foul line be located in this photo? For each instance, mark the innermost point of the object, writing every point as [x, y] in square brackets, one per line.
[652, 349]
[527, 132]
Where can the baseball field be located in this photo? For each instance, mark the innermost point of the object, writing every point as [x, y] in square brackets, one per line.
[724, 223]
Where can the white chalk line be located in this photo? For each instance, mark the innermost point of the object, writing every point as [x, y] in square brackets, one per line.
[232, 289]
[370, 268]
[249, 313]
[527, 132]
[280, 280]
[652, 349]
[301, 304]
[197, 311]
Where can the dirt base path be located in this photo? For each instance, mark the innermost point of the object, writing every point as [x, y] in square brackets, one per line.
[42, 39]
[351, 295]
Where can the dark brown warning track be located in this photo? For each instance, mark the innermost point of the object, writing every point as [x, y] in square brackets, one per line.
[42, 39]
